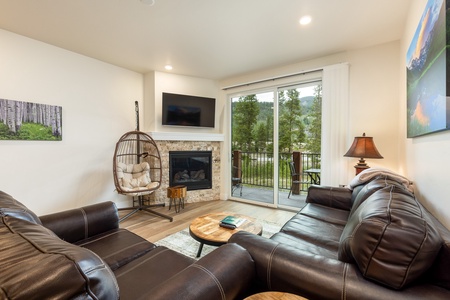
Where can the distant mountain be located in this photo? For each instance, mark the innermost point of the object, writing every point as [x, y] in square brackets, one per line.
[306, 103]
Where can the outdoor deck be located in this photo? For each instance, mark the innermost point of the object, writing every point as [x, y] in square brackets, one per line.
[265, 195]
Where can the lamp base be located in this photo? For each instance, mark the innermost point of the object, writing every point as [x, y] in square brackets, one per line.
[361, 166]
[359, 169]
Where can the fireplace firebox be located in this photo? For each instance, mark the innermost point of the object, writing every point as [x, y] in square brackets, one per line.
[190, 168]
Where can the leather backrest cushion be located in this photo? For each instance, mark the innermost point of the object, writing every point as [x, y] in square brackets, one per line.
[11, 207]
[439, 273]
[390, 238]
[34, 261]
[366, 190]
[356, 191]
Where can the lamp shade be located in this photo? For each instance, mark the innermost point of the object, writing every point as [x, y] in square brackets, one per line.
[363, 147]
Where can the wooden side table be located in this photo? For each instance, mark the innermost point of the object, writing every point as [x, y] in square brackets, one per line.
[175, 193]
[274, 296]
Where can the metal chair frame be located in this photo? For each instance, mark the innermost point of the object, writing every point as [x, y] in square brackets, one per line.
[294, 176]
[236, 180]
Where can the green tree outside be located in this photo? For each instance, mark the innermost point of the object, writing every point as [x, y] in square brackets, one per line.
[314, 140]
[299, 122]
[245, 113]
[291, 128]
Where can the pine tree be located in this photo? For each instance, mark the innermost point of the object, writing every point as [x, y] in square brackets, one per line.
[291, 128]
[313, 143]
[245, 113]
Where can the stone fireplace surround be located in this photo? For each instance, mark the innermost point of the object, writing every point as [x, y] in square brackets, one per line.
[186, 142]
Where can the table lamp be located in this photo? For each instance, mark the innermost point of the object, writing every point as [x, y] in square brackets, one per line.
[363, 147]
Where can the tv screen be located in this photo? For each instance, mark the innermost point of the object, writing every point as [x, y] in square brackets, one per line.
[185, 110]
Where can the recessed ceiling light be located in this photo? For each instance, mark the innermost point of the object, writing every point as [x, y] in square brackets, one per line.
[305, 20]
[168, 67]
[148, 2]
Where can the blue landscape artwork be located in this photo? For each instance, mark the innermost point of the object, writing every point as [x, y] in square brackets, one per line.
[426, 67]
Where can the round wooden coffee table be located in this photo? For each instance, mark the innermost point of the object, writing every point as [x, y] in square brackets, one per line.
[206, 229]
[274, 296]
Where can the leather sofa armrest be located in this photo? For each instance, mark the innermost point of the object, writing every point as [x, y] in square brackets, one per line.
[336, 197]
[81, 223]
[280, 267]
[225, 273]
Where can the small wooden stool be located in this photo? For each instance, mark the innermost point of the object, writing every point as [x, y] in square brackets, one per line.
[174, 193]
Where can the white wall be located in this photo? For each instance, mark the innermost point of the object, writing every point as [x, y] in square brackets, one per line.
[97, 100]
[426, 160]
[373, 96]
[374, 88]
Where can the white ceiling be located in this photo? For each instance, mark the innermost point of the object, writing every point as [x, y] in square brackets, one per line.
[213, 39]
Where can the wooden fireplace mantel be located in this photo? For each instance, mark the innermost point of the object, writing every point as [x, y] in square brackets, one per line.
[186, 136]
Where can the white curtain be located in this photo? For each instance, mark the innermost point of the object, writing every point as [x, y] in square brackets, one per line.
[335, 112]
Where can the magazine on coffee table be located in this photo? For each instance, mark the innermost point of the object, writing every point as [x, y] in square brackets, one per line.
[232, 222]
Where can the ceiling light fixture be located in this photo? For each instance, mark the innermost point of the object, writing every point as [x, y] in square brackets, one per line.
[168, 67]
[148, 2]
[305, 20]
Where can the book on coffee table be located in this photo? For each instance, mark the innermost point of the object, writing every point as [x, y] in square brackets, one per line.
[231, 222]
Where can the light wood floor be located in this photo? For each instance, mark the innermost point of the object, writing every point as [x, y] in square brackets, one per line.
[154, 228]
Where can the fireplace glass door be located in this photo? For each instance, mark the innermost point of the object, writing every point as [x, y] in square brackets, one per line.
[190, 168]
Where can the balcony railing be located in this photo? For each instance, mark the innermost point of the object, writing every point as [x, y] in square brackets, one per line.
[257, 168]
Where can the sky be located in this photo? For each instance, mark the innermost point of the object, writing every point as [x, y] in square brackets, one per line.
[268, 97]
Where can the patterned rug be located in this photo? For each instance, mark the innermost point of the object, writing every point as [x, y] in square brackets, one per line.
[182, 242]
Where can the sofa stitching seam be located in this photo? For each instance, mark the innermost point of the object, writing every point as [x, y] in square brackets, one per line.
[269, 266]
[86, 226]
[344, 294]
[142, 262]
[222, 292]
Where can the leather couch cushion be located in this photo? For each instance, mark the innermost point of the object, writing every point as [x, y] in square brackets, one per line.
[325, 213]
[439, 273]
[34, 261]
[366, 190]
[313, 231]
[327, 249]
[118, 247]
[391, 238]
[154, 267]
[225, 273]
[11, 207]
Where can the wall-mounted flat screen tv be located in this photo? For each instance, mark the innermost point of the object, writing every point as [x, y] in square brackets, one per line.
[185, 110]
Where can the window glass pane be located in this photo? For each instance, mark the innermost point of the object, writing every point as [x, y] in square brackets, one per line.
[252, 147]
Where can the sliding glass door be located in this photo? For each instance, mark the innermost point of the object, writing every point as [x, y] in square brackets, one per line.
[275, 144]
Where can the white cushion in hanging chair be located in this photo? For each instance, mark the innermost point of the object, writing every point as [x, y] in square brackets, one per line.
[135, 177]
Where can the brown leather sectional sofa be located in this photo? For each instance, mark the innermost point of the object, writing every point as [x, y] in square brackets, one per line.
[83, 254]
[373, 242]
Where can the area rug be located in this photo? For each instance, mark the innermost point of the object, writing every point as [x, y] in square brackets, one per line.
[182, 241]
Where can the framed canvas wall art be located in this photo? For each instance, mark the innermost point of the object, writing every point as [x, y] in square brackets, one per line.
[428, 77]
[20, 120]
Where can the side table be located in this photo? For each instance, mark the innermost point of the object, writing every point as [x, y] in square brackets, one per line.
[274, 296]
[206, 230]
[175, 193]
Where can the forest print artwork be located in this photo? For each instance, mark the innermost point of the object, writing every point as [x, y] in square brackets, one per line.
[21, 120]
[426, 67]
